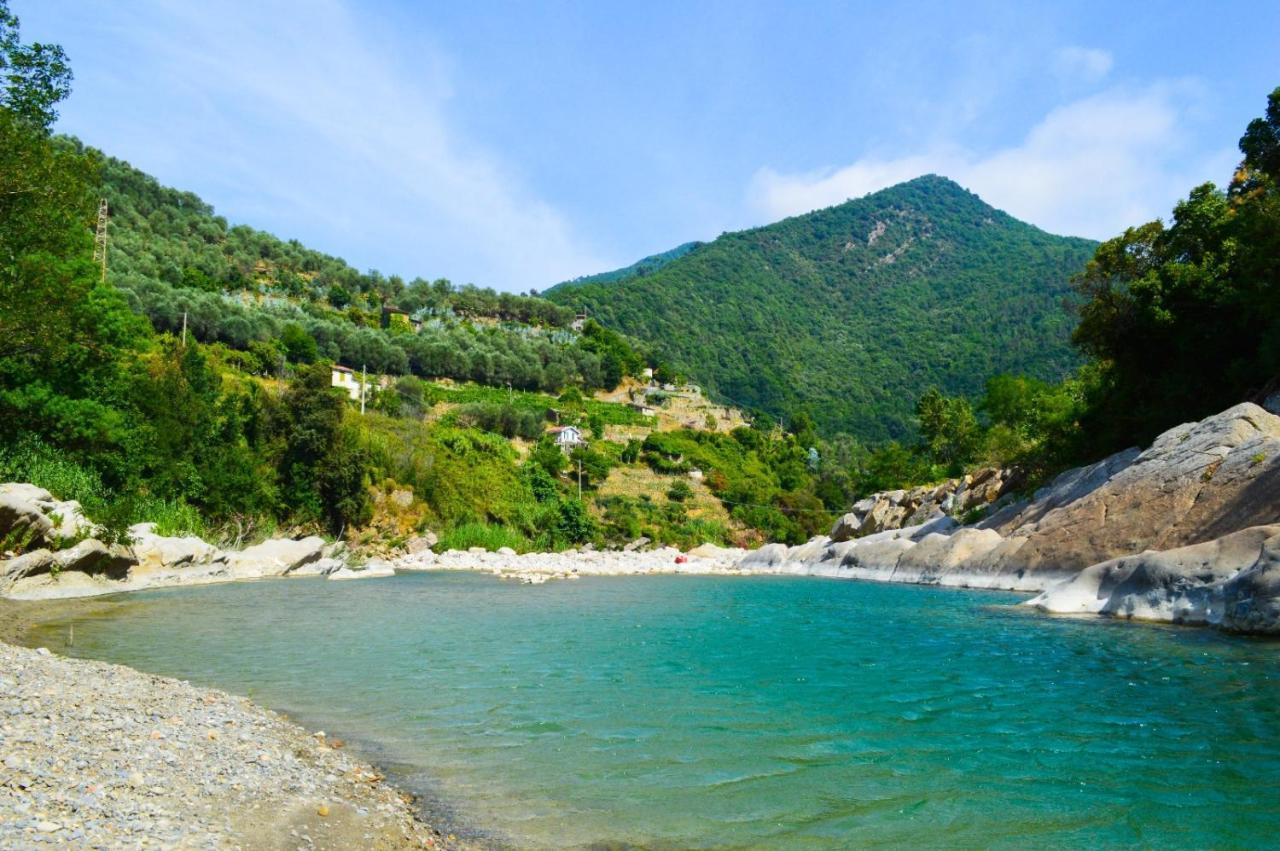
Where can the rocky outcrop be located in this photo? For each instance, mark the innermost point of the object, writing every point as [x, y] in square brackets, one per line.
[67, 567]
[1197, 482]
[955, 498]
[274, 558]
[31, 516]
[1186, 531]
[1231, 582]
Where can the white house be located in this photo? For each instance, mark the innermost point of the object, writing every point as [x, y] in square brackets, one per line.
[349, 380]
[567, 437]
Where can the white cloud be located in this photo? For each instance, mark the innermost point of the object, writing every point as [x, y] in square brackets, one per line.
[1089, 168]
[1086, 64]
[308, 118]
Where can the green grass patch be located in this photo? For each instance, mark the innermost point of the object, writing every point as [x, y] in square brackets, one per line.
[490, 536]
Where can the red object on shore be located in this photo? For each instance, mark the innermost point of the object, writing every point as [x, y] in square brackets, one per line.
[681, 559]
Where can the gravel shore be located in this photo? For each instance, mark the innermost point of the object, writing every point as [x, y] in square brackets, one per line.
[102, 756]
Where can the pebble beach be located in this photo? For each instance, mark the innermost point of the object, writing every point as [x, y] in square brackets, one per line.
[96, 755]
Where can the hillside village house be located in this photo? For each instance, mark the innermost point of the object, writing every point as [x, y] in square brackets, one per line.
[567, 438]
[349, 380]
[346, 378]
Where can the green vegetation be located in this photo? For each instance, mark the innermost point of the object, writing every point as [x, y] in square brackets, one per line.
[851, 312]
[179, 263]
[236, 431]
[642, 267]
[1180, 321]
[1183, 319]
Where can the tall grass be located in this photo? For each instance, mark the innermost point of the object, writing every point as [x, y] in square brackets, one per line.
[487, 535]
[43, 466]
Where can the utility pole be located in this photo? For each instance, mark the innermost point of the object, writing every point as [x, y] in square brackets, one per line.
[364, 380]
[100, 239]
[184, 329]
[579, 480]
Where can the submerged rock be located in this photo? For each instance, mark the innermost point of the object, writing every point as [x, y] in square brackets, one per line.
[372, 569]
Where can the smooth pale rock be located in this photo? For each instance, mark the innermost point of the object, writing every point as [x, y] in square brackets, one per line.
[95, 558]
[1197, 482]
[1251, 598]
[878, 558]
[27, 564]
[320, 567]
[33, 510]
[421, 560]
[157, 551]
[506, 551]
[21, 518]
[937, 555]
[1192, 584]
[768, 556]
[274, 558]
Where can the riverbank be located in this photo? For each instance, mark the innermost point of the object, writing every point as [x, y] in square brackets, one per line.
[101, 755]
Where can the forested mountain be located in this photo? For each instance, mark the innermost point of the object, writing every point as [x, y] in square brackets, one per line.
[853, 311]
[645, 266]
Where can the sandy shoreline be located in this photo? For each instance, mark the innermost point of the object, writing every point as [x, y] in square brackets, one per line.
[102, 755]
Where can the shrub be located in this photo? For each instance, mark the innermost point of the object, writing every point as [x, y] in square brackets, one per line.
[679, 491]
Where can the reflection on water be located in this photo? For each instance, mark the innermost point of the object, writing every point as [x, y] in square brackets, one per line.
[675, 711]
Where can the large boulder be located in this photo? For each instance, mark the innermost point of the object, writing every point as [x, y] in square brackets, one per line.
[1198, 583]
[887, 513]
[1197, 482]
[162, 552]
[274, 558]
[320, 567]
[937, 555]
[32, 516]
[847, 527]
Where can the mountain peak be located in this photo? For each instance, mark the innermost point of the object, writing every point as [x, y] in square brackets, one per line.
[855, 310]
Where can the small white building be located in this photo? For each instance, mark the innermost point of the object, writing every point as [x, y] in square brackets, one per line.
[349, 380]
[346, 379]
[567, 438]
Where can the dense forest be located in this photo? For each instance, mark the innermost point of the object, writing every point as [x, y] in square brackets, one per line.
[850, 312]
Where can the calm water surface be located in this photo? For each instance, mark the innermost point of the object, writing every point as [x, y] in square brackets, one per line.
[747, 712]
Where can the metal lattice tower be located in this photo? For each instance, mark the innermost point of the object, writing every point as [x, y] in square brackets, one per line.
[100, 240]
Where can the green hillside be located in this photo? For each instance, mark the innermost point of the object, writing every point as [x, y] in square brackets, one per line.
[853, 311]
[644, 266]
[172, 256]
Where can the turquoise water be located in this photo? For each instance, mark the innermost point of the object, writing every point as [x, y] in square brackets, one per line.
[747, 712]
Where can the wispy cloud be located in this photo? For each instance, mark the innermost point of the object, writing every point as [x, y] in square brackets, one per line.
[335, 126]
[1087, 64]
[1089, 168]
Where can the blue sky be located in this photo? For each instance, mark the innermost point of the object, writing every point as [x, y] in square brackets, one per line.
[517, 144]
